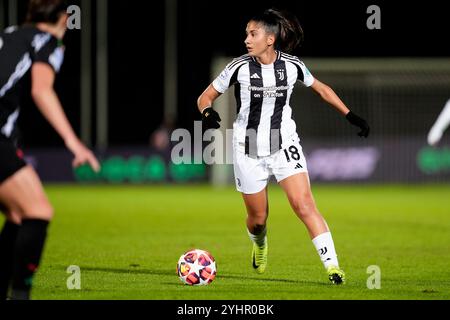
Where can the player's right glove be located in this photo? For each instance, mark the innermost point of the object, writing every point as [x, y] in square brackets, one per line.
[359, 122]
[210, 119]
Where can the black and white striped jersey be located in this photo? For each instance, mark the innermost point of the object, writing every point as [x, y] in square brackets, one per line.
[20, 47]
[264, 121]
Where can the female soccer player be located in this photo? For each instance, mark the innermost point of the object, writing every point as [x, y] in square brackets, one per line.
[265, 140]
[33, 50]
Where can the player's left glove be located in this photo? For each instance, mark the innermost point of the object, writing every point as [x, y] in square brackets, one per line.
[210, 118]
[359, 122]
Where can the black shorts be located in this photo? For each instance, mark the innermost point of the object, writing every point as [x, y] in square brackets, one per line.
[11, 159]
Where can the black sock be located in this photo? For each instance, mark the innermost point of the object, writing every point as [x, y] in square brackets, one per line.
[7, 240]
[27, 255]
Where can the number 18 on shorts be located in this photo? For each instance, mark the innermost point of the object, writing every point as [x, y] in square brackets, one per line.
[252, 174]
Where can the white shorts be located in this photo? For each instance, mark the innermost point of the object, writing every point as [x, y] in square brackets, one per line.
[252, 175]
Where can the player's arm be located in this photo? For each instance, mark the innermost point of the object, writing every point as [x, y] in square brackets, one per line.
[207, 98]
[47, 101]
[210, 117]
[329, 96]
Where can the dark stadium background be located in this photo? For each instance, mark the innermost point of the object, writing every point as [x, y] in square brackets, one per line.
[207, 29]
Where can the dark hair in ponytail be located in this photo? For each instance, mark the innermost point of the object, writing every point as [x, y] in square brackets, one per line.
[285, 26]
[45, 10]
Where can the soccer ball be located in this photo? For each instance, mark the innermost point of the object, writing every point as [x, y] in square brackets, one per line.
[196, 267]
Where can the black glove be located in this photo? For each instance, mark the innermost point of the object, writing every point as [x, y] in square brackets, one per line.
[359, 122]
[210, 119]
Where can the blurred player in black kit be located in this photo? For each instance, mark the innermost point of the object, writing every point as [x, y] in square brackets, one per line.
[32, 51]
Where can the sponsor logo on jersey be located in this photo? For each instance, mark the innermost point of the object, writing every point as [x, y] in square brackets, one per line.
[224, 74]
[274, 88]
[268, 92]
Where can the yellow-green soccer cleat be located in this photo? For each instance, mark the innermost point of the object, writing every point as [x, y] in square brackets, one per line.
[336, 275]
[259, 258]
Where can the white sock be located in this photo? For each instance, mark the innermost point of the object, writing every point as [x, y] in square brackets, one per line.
[259, 239]
[325, 248]
[440, 125]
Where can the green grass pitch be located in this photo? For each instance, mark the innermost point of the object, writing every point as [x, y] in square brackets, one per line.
[127, 241]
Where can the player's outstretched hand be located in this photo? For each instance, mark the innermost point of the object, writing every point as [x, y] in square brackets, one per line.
[359, 122]
[210, 119]
[82, 155]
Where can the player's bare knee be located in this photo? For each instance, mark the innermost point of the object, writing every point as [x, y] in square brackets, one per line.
[47, 211]
[41, 211]
[304, 208]
[258, 218]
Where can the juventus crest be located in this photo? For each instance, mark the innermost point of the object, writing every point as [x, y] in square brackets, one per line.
[280, 73]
